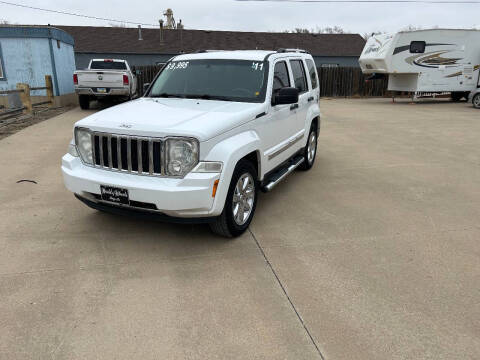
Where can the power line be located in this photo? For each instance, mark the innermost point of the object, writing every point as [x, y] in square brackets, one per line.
[74, 14]
[373, 1]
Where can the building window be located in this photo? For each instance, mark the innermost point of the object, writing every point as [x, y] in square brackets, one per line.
[299, 75]
[2, 72]
[417, 47]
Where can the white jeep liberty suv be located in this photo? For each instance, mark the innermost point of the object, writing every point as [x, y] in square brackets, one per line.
[212, 129]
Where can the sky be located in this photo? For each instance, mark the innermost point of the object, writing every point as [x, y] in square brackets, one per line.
[250, 16]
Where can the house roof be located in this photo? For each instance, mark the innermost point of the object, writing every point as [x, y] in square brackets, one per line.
[29, 31]
[89, 39]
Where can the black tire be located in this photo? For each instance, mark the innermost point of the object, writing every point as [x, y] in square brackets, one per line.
[225, 225]
[476, 101]
[84, 101]
[309, 161]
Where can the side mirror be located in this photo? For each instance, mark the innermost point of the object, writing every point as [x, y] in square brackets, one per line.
[286, 95]
[145, 87]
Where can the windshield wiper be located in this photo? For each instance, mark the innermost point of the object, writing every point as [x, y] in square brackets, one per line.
[207, 97]
[166, 95]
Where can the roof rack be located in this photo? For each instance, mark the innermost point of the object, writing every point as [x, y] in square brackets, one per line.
[282, 50]
[207, 51]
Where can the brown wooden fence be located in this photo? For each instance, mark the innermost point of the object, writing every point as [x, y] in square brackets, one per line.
[145, 74]
[349, 81]
[340, 81]
[24, 91]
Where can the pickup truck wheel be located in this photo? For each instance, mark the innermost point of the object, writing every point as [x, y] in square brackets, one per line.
[476, 101]
[310, 150]
[84, 101]
[240, 203]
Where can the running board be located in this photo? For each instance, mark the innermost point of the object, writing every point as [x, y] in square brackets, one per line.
[283, 173]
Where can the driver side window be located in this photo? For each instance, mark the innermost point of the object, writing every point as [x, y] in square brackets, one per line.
[281, 78]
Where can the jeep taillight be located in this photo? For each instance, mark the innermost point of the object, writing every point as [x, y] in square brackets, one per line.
[75, 79]
[125, 79]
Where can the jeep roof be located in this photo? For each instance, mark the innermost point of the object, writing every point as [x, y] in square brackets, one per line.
[256, 55]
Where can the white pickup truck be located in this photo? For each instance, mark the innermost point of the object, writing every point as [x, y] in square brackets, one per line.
[212, 129]
[105, 79]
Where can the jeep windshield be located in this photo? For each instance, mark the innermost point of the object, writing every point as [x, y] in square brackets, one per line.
[227, 80]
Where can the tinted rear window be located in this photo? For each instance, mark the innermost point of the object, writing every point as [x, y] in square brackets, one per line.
[313, 73]
[108, 65]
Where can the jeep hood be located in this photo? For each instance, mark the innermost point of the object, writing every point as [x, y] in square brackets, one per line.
[202, 119]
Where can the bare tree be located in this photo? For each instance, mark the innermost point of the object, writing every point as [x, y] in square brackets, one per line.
[330, 30]
[411, 28]
[117, 25]
[318, 30]
[367, 36]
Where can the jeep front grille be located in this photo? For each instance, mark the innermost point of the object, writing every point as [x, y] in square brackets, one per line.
[132, 154]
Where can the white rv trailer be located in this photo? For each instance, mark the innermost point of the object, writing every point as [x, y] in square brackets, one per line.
[425, 61]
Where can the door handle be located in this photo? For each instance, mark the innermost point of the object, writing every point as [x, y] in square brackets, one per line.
[311, 98]
[294, 106]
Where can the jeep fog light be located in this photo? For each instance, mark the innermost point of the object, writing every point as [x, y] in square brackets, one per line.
[181, 155]
[83, 140]
[208, 167]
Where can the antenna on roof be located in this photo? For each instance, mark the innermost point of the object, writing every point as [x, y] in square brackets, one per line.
[180, 28]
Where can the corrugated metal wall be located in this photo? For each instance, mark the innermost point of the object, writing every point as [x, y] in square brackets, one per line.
[29, 59]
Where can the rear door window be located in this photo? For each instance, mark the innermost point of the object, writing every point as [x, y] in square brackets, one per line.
[299, 77]
[313, 73]
[281, 78]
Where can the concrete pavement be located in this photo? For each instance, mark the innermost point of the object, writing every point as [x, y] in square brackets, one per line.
[373, 254]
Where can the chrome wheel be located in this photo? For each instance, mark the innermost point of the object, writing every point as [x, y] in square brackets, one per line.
[476, 101]
[243, 199]
[311, 147]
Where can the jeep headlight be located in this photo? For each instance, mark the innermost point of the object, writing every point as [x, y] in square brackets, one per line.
[83, 141]
[181, 155]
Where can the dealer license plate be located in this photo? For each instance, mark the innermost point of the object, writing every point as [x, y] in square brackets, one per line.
[114, 194]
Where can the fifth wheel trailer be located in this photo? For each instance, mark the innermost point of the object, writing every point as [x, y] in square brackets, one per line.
[425, 61]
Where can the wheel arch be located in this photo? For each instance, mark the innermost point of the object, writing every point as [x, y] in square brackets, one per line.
[316, 121]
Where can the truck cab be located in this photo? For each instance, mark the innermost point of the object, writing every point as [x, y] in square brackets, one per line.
[212, 129]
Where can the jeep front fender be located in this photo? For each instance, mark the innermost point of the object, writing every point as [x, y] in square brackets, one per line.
[229, 152]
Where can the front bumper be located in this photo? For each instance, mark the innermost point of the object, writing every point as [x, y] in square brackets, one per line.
[190, 197]
[110, 91]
